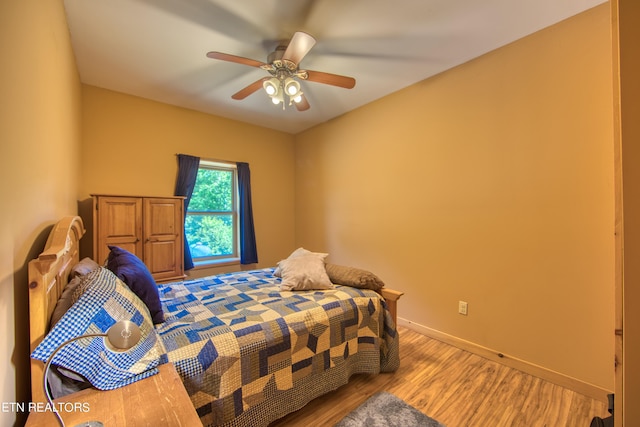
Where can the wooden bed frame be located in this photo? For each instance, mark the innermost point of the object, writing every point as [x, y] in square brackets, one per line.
[49, 274]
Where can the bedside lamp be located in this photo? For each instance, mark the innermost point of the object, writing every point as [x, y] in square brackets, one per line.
[121, 336]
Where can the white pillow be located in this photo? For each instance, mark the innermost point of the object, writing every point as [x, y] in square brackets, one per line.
[304, 272]
[299, 252]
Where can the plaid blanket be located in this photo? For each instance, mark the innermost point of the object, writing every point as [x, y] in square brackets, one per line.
[249, 354]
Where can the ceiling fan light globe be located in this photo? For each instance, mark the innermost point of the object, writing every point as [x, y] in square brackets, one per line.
[271, 86]
[298, 98]
[291, 86]
[275, 100]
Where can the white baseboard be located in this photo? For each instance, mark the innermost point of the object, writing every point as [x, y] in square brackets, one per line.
[571, 383]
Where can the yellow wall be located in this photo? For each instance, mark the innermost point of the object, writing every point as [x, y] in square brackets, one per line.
[130, 147]
[490, 183]
[40, 118]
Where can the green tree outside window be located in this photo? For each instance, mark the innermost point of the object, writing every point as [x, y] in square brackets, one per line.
[210, 225]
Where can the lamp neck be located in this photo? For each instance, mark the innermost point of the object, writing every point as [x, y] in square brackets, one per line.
[48, 364]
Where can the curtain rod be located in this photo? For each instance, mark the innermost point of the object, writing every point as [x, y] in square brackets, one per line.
[215, 160]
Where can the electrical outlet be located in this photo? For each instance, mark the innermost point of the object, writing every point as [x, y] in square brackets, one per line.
[463, 307]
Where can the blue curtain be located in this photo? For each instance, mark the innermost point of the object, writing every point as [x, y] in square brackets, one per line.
[248, 248]
[186, 181]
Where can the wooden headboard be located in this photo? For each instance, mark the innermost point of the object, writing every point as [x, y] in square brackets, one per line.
[48, 275]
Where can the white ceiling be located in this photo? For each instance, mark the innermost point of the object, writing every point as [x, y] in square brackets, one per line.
[156, 49]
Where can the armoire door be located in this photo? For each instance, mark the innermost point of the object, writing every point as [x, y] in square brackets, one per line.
[163, 240]
[119, 222]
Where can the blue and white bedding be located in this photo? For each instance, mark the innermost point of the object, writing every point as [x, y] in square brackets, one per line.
[104, 300]
[247, 352]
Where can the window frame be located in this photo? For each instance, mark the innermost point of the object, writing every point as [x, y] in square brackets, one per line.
[234, 257]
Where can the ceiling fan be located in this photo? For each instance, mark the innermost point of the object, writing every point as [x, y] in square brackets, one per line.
[283, 64]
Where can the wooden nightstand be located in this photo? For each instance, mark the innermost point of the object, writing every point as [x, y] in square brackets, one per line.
[160, 400]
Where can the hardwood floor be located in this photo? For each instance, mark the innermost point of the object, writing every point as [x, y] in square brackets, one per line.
[457, 388]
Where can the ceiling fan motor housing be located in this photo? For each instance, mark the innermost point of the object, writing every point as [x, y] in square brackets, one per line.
[277, 54]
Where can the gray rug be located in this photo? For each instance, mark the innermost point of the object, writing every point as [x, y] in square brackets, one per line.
[386, 410]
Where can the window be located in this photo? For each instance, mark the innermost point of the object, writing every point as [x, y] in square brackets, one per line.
[211, 225]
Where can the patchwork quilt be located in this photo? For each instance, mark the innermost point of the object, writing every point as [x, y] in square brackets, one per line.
[249, 354]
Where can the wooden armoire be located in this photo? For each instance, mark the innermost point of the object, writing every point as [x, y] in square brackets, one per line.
[149, 227]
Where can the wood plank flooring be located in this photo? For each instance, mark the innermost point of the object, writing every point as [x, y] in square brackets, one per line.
[457, 388]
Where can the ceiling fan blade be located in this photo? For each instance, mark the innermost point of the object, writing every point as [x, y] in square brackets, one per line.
[331, 79]
[300, 44]
[236, 59]
[303, 105]
[253, 87]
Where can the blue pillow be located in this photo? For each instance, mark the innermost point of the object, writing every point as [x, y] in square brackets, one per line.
[132, 271]
[105, 301]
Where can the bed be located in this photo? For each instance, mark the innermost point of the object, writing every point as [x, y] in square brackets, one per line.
[247, 351]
